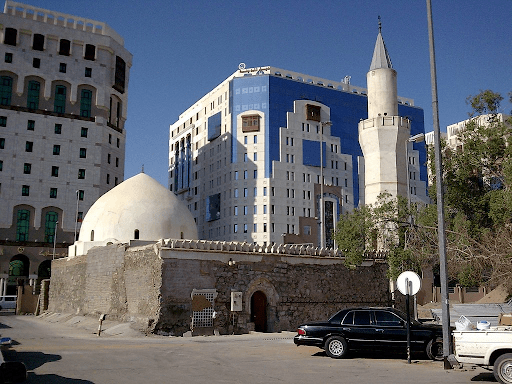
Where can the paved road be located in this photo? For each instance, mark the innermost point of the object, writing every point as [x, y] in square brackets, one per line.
[57, 353]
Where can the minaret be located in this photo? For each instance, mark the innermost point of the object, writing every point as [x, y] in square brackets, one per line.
[384, 134]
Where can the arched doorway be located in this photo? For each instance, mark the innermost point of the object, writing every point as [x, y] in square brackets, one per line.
[259, 311]
[45, 270]
[18, 269]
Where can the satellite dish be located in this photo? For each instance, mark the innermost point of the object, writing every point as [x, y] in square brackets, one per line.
[241, 66]
[411, 279]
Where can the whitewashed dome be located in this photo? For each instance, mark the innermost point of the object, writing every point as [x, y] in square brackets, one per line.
[138, 208]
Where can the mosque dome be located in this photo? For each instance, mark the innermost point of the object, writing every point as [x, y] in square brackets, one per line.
[138, 208]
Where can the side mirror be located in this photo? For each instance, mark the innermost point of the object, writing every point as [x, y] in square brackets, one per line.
[13, 372]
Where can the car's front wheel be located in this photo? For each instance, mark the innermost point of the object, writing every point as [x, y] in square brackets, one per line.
[503, 368]
[336, 347]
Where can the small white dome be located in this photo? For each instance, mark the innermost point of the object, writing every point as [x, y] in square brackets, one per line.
[138, 208]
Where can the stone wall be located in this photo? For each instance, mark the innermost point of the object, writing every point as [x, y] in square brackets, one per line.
[152, 286]
[298, 289]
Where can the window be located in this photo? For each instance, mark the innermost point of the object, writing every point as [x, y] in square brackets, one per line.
[312, 112]
[85, 103]
[29, 146]
[116, 181]
[235, 193]
[250, 123]
[245, 228]
[62, 67]
[36, 62]
[110, 138]
[108, 178]
[3, 121]
[10, 36]
[264, 191]
[118, 142]
[2, 143]
[255, 139]
[59, 105]
[50, 225]
[235, 228]
[80, 194]
[31, 125]
[56, 149]
[5, 90]
[90, 52]
[22, 224]
[33, 94]
[108, 158]
[55, 171]
[8, 57]
[236, 175]
[117, 161]
[246, 193]
[265, 209]
[83, 132]
[245, 210]
[88, 72]
[81, 173]
[245, 175]
[83, 153]
[64, 47]
[235, 210]
[245, 158]
[58, 129]
[1, 165]
[387, 319]
[120, 74]
[25, 190]
[38, 43]
[53, 193]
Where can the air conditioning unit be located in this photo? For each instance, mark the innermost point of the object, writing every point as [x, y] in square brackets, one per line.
[236, 301]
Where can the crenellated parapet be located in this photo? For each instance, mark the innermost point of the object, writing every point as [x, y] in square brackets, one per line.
[244, 247]
[385, 121]
[61, 19]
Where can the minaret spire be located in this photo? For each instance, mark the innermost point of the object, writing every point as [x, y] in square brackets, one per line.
[380, 25]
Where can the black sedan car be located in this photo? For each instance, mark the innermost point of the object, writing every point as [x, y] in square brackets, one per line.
[370, 329]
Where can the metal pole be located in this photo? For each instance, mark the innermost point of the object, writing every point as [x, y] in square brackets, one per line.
[76, 215]
[321, 186]
[408, 318]
[54, 239]
[445, 303]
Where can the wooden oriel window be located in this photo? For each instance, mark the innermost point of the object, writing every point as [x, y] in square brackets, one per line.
[250, 123]
[312, 112]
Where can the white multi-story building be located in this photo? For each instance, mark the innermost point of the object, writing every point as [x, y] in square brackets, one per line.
[249, 156]
[63, 100]
[454, 130]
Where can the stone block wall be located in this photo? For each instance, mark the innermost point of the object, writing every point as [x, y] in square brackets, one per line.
[152, 286]
[296, 292]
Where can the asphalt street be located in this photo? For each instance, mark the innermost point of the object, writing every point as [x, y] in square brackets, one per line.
[62, 353]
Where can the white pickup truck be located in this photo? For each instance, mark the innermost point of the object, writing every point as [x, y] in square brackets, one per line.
[488, 347]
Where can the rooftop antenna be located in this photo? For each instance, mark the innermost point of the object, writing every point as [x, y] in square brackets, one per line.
[380, 25]
[142, 171]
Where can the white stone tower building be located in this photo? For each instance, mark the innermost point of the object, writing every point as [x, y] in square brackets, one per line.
[383, 136]
[63, 106]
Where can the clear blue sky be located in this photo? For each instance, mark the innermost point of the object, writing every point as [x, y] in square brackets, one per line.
[182, 49]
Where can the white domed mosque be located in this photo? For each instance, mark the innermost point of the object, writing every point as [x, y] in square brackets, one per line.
[139, 209]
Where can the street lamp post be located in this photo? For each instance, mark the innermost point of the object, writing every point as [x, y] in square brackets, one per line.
[76, 216]
[54, 239]
[322, 218]
[413, 139]
[445, 298]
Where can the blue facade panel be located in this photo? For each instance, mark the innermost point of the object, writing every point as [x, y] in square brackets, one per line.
[311, 153]
[214, 125]
[275, 95]
[249, 93]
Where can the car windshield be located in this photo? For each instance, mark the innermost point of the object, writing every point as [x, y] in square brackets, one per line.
[404, 316]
